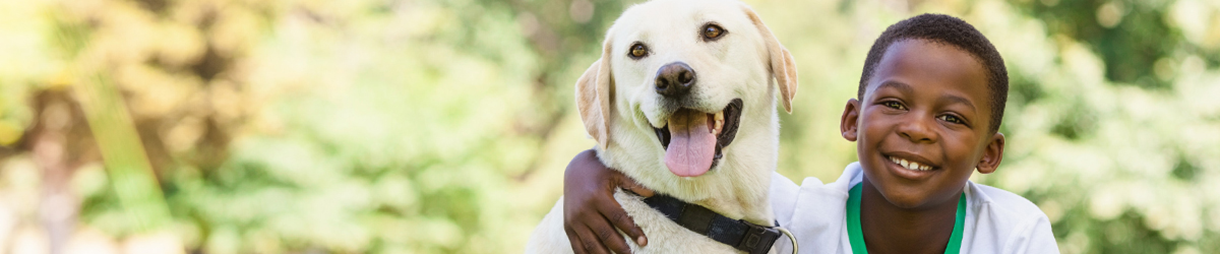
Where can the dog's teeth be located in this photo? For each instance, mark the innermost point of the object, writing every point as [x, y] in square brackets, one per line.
[719, 122]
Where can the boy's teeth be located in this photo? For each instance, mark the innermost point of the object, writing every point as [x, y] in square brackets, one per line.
[910, 164]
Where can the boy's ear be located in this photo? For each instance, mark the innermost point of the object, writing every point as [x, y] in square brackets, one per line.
[783, 66]
[848, 123]
[593, 96]
[992, 155]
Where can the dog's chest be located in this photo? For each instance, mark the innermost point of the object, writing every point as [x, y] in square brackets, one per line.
[665, 236]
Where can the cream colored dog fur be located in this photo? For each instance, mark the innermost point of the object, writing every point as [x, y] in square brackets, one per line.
[620, 108]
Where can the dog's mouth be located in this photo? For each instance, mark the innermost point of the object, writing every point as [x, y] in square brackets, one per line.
[694, 141]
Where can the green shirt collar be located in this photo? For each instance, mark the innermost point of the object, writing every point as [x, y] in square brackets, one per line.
[856, 235]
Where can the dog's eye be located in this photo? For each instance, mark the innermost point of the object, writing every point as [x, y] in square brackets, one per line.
[638, 51]
[712, 32]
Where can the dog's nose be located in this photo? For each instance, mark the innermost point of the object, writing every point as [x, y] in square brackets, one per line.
[675, 79]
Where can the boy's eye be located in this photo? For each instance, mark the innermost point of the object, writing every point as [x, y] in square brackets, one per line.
[952, 119]
[893, 105]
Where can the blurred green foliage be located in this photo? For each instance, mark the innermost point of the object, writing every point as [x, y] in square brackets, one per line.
[427, 126]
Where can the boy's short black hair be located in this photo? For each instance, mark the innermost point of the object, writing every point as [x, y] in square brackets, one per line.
[952, 31]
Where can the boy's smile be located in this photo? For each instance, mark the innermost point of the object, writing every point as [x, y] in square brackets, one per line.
[923, 124]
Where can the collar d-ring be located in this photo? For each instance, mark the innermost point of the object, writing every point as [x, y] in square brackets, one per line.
[790, 237]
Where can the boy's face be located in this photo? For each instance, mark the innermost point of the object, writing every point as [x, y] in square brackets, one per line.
[926, 106]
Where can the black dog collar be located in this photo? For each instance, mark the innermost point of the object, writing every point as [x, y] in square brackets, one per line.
[740, 234]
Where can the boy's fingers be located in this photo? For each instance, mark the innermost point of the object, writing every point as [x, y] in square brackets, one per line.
[610, 237]
[627, 183]
[622, 181]
[589, 242]
[574, 240]
[617, 216]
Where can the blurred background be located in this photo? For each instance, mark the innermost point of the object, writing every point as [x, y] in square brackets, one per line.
[432, 126]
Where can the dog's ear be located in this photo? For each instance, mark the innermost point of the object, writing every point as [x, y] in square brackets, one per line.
[782, 64]
[593, 96]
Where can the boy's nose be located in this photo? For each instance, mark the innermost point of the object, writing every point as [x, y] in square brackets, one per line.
[918, 129]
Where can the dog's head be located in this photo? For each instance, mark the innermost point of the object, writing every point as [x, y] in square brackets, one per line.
[680, 84]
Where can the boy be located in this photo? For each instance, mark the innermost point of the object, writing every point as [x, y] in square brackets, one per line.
[931, 99]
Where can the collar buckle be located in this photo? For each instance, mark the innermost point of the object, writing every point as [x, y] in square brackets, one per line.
[758, 235]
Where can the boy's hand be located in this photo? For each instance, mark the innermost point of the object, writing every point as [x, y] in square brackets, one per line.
[589, 208]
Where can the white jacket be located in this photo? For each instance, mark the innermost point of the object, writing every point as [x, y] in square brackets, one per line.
[997, 221]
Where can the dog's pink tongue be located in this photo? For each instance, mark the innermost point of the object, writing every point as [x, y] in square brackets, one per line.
[691, 144]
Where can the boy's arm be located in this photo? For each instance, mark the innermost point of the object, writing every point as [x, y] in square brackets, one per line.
[589, 207]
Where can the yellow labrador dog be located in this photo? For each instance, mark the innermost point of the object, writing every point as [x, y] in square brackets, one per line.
[683, 101]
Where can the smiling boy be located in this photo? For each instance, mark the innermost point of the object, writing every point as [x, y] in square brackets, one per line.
[931, 100]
